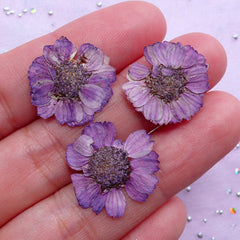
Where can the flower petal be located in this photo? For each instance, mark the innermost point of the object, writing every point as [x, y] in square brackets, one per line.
[92, 96]
[92, 56]
[116, 203]
[138, 144]
[134, 194]
[99, 203]
[86, 190]
[41, 95]
[110, 133]
[97, 132]
[149, 162]
[138, 71]
[153, 109]
[83, 145]
[107, 72]
[65, 112]
[143, 181]
[62, 50]
[47, 110]
[149, 54]
[74, 159]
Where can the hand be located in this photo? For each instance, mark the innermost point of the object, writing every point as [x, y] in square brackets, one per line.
[37, 200]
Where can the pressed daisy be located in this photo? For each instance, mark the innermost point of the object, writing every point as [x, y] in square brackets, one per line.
[173, 88]
[107, 165]
[70, 84]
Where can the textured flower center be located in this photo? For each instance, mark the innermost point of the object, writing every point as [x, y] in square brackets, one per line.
[110, 167]
[70, 77]
[167, 87]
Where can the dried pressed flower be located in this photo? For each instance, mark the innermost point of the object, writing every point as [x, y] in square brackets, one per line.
[107, 165]
[172, 90]
[71, 85]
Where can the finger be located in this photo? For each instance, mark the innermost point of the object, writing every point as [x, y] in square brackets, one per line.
[37, 152]
[59, 217]
[121, 36]
[167, 223]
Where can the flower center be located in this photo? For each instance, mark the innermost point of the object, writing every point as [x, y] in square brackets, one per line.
[70, 77]
[110, 167]
[167, 87]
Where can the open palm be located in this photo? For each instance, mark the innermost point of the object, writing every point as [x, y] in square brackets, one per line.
[37, 200]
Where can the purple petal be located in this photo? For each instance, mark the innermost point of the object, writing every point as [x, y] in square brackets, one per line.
[198, 87]
[107, 72]
[62, 50]
[110, 133]
[47, 110]
[149, 162]
[190, 58]
[92, 56]
[138, 71]
[149, 54]
[74, 159]
[187, 105]
[99, 203]
[139, 95]
[41, 95]
[78, 112]
[86, 190]
[83, 145]
[64, 112]
[92, 96]
[117, 144]
[160, 51]
[116, 203]
[138, 144]
[97, 132]
[134, 194]
[153, 109]
[143, 181]
[40, 70]
[175, 54]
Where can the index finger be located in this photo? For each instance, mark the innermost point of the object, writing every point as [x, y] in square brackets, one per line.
[121, 31]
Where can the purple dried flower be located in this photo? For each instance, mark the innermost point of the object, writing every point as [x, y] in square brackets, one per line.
[107, 165]
[172, 90]
[72, 86]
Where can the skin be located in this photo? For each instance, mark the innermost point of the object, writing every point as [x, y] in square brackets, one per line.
[37, 200]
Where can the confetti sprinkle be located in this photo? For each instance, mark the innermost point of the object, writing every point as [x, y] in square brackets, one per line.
[233, 210]
[33, 10]
[237, 171]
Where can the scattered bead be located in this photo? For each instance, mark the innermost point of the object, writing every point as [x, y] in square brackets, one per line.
[238, 194]
[213, 238]
[237, 146]
[219, 212]
[189, 218]
[6, 8]
[200, 235]
[50, 13]
[99, 4]
[188, 189]
[25, 10]
[233, 210]
[229, 191]
[205, 220]
[235, 36]
[33, 10]
[20, 15]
